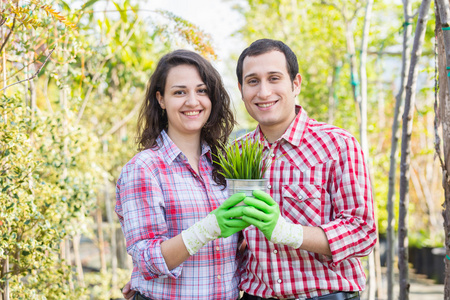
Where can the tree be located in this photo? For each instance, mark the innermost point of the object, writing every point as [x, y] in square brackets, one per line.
[443, 118]
[406, 148]
[399, 99]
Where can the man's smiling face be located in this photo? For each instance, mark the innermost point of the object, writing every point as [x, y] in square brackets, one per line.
[267, 90]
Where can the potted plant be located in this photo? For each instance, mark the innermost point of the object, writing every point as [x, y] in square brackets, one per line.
[243, 165]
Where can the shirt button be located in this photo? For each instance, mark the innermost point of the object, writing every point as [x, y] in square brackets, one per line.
[218, 277]
[269, 186]
[279, 280]
[272, 154]
[275, 251]
[217, 248]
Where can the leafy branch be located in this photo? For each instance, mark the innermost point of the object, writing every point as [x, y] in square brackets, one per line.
[9, 34]
[99, 72]
[25, 16]
[191, 33]
[122, 122]
[50, 11]
[34, 75]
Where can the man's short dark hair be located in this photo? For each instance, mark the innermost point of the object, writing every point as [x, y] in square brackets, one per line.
[263, 46]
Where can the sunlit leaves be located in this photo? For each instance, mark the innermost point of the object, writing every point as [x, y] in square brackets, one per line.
[30, 15]
[56, 152]
[50, 11]
[192, 34]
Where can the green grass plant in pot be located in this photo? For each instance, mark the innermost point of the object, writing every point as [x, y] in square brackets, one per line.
[243, 166]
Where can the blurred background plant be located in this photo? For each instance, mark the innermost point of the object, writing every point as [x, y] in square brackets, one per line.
[72, 83]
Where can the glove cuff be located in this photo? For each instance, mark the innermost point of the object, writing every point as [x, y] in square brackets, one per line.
[288, 234]
[200, 233]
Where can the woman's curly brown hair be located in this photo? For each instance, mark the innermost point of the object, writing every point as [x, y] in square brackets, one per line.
[152, 121]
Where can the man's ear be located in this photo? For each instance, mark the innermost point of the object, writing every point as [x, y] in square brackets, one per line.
[240, 90]
[160, 100]
[297, 84]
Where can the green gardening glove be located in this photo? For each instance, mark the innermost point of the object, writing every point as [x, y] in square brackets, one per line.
[224, 221]
[263, 212]
[229, 216]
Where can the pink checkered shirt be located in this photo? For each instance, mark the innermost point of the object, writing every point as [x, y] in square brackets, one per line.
[318, 177]
[158, 196]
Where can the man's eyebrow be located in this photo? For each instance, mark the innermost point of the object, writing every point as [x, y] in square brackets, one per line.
[269, 73]
[249, 75]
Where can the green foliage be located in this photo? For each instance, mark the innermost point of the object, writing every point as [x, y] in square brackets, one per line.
[99, 284]
[38, 205]
[243, 160]
[315, 33]
[64, 140]
[191, 33]
[32, 14]
[421, 238]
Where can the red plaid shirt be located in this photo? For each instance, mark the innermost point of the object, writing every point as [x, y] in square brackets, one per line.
[159, 195]
[318, 177]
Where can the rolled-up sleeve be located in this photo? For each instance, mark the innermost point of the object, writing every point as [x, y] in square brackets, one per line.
[352, 233]
[140, 208]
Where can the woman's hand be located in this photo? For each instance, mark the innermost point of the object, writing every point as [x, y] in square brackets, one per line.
[127, 292]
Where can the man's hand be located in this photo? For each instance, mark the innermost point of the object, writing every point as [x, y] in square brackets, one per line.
[264, 213]
[127, 292]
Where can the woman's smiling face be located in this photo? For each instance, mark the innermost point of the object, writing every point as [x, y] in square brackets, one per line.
[185, 100]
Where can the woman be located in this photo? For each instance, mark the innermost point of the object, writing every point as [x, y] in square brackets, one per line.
[171, 200]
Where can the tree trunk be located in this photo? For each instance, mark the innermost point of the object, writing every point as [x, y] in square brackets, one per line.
[373, 274]
[123, 259]
[353, 69]
[5, 81]
[101, 240]
[442, 113]
[62, 256]
[76, 254]
[65, 250]
[5, 285]
[112, 227]
[372, 277]
[442, 20]
[381, 105]
[331, 102]
[399, 99]
[126, 262]
[4, 266]
[4, 272]
[69, 261]
[406, 149]
[363, 76]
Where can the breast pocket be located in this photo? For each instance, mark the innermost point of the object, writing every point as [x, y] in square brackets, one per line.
[303, 204]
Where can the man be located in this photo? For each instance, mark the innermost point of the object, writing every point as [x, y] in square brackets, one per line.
[317, 217]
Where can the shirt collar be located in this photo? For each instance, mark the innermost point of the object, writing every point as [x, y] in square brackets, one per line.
[294, 133]
[170, 151]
